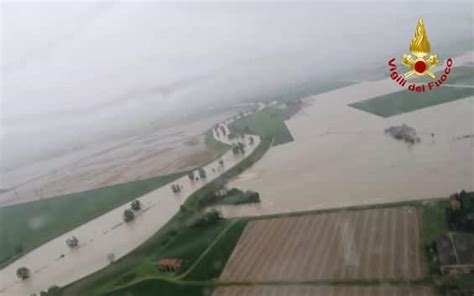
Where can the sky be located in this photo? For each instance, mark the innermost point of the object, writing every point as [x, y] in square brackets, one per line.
[75, 72]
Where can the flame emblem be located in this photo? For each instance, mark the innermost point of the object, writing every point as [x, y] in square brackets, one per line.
[419, 48]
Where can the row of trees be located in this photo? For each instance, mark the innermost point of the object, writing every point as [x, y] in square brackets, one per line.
[201, 174]
[460, 213]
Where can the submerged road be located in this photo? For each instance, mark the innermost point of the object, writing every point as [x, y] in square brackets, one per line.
[54, 263]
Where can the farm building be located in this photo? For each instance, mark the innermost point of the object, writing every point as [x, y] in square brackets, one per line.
[455, 253]
[170, 265]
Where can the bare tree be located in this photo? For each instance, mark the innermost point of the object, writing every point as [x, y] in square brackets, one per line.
[136, 205]
[23, 273]
[202, 173]
[128, 215]
[72, 242]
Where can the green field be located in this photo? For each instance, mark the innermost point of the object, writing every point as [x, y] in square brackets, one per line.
[212, 262]
[407, 101]
[268, 123]
[25, 226]
[207, 248]
[204, 251]
[433, 217]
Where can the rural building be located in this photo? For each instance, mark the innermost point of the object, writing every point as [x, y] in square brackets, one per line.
[455, 253]
[169, 265]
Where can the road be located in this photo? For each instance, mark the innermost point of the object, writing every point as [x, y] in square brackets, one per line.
[54, 263]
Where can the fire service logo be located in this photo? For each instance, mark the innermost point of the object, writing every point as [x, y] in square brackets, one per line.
[419, 64]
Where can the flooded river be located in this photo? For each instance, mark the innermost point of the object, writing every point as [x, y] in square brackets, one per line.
[342, 157]
[54, 263]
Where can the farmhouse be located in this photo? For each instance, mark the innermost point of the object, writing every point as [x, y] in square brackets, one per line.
[455, 253]
[169, 265]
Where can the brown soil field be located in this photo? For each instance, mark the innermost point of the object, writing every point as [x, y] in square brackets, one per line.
[365, 244]
[306, 290]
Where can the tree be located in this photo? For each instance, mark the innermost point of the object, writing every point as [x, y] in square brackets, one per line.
[136, 205]
[191, 176]
[72, 242]
[205, 219]
[128, 215]
[23, 273]
[238, 148]
[202, 173]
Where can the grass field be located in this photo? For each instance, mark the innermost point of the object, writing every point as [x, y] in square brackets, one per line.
[208, 249]
[268, 123]
[408, 101]
[25, 226]
[434, 219]
[213, 261]
[204, 251]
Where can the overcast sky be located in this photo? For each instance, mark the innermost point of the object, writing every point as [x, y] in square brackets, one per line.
[72, 70]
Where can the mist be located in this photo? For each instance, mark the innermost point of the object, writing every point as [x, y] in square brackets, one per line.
[75, 73]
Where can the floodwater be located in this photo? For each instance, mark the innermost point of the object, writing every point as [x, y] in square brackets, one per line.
[150, 154]
[342, 157]
[54, 263]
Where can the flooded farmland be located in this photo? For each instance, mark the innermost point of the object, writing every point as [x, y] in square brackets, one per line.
[148, 154]
[342, 157]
